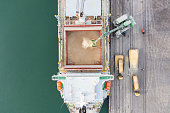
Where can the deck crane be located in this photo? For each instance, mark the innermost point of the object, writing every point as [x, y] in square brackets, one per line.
[122, 24]
[81, 8]
[77, 8]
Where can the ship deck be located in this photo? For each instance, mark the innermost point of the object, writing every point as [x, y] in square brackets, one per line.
[91, 7]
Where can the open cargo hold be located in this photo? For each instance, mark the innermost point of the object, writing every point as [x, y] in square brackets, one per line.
[77, 54]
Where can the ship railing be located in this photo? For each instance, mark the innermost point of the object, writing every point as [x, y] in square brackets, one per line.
[61, 13]
[106, 40]
[88, 22]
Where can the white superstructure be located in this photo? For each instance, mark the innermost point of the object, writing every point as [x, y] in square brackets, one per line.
[84, 74]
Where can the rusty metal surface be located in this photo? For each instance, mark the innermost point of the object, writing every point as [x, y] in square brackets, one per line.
[154, 57]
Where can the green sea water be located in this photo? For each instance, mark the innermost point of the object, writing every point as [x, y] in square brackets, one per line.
[28, 57]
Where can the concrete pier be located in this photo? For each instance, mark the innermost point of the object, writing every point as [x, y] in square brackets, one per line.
[154, 57]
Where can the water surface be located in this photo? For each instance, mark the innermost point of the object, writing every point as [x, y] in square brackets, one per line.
[28, 57]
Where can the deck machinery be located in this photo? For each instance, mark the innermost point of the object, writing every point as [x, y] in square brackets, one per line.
[84, 77]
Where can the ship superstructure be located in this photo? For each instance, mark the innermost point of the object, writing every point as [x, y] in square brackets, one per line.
[84, 74]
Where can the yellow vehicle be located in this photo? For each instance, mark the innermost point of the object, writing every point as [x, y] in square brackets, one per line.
[133, 58]
[136, 85]
[119, 66]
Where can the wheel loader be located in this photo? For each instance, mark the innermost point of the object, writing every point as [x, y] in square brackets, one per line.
[119, 66]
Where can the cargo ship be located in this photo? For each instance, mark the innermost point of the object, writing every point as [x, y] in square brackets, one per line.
[84, 78]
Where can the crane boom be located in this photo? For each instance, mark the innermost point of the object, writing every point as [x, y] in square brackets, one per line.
[122, 26]
[107, 33]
